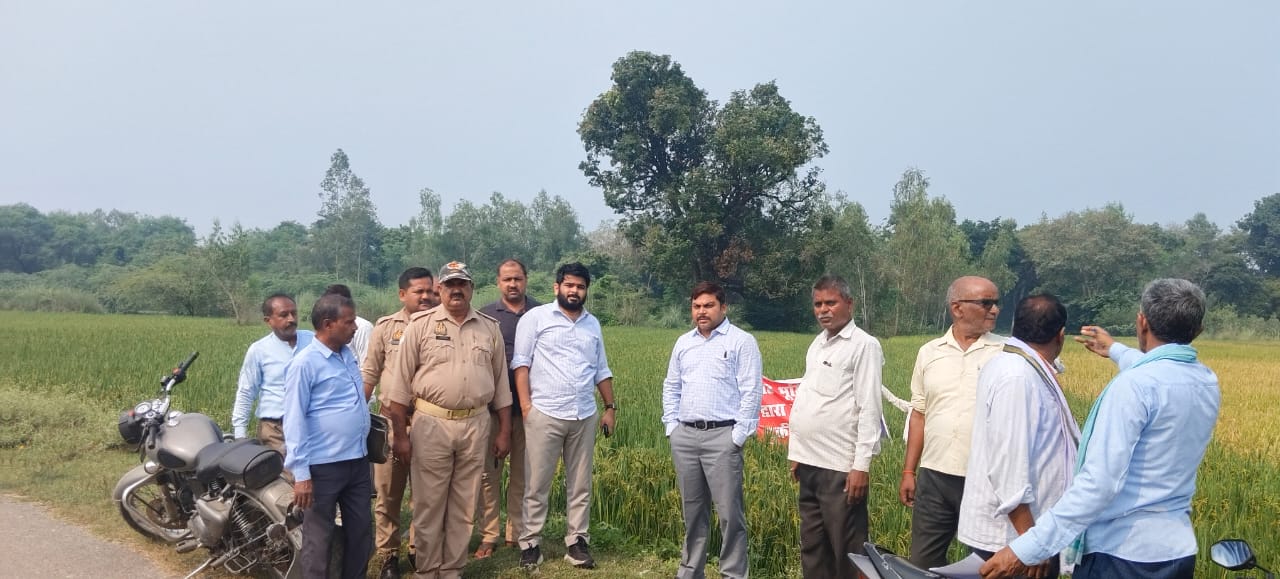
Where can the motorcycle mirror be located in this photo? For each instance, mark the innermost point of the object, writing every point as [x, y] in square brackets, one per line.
[1233, 554]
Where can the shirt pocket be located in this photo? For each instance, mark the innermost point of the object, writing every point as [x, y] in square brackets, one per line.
[438, 353]
[482, 355]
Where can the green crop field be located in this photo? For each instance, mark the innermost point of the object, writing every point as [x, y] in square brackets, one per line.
[87, 367]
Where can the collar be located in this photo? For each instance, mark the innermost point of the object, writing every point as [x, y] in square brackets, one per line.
[529, 304]
[986, 340]
[721, 329]
[846, 332]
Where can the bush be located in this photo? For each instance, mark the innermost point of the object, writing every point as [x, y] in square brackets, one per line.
[1224, 323]
[50, 299]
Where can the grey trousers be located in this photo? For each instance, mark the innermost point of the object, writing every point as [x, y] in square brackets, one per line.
[935, 517]
[546, 441]
[344, 484]
[709, 470]
[830, 527]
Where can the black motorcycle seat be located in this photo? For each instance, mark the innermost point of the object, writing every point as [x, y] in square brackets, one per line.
[246, 462]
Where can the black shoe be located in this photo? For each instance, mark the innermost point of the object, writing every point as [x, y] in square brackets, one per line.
[390, 568]
[531, 557]
[413, 560]
[579, 555]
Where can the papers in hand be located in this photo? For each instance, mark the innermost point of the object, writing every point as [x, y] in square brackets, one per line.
[966, 568]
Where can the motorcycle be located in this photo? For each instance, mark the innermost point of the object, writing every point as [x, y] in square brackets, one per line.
[1237, 555]
[196, 489]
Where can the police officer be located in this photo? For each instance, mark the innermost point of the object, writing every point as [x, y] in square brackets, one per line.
[450, 368]
[417, 293]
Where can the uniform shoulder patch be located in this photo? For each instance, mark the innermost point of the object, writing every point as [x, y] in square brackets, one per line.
[422, 314]
[384, 319]
[487, 316]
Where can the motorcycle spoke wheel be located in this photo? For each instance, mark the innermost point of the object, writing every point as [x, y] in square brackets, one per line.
[148, 503]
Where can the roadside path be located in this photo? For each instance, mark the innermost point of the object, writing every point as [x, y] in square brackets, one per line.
[34, 543]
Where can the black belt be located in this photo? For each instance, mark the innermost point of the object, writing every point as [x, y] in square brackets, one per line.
[275, 420]
[709, 424]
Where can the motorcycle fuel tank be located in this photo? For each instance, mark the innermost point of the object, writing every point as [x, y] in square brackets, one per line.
[181, 439]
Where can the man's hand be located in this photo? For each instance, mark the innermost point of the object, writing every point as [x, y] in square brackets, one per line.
[501, 446]
[609, 420]
[1003, 564]
[1096, 340]
[302, 494]
[907, 489]
[855, 487]
[793, 466]
[401, 450]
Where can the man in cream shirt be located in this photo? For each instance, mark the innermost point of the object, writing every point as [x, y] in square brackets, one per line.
[943, 386]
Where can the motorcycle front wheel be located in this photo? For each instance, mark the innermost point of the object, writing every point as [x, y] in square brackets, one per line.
[150, 507]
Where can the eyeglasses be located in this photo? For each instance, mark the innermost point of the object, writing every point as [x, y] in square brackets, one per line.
[986, 304]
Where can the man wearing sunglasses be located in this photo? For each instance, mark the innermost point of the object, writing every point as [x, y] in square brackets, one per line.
[943, 389]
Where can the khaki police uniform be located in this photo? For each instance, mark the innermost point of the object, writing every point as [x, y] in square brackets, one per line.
[389, 478]
[449, 373]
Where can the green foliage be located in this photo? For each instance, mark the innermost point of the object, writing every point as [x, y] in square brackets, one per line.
[708, 193]
[348, 229]
[926, 251]
[1262, 234]
[49, 299]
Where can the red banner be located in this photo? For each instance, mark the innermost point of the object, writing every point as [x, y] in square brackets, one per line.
[775, 408]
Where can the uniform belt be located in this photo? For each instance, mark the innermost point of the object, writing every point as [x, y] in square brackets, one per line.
[448, 414]
[709, 424]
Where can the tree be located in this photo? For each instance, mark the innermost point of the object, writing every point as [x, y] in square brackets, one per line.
[1093, 260]
[23, 234]
[228, 260]
[705, 190]
[556, 230]
[346, 233]
[1262, 234]
[926, 250]
[856, 252]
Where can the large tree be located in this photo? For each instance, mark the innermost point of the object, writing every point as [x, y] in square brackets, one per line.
[926, 251]
[706, 191]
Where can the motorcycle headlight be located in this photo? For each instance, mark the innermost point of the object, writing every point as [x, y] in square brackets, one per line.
[130, 427]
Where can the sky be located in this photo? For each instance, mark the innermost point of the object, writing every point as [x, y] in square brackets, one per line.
[230, 110]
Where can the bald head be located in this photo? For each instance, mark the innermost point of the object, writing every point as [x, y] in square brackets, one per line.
[974, 305]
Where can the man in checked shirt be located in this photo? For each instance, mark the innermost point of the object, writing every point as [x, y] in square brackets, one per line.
[710, 407]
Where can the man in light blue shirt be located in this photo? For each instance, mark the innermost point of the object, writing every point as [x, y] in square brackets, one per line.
[262, 374]
[710, 406]
[559, 363]
[326, 424]
[1128, 510]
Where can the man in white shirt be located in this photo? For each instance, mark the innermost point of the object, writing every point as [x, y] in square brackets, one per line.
[835, 431]
[1024, 437]
[943, 386]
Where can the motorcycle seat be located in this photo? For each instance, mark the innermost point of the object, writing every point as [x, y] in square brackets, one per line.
[243, 462]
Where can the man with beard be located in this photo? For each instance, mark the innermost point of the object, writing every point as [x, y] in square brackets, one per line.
[710, 407]
[326, 425]
[451, 368]
[835, 432]
[417, 293]
[508, 309]
[262, 373]
[559, 363]
[944, 385]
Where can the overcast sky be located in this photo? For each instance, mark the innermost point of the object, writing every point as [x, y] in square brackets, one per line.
[231, 109]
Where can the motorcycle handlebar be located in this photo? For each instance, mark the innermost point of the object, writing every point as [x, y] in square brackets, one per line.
[180, 373]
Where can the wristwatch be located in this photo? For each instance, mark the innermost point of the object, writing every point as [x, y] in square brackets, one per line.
[610, 406]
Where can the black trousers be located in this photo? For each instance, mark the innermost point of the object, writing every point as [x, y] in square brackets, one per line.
[345, 484]
[830, 527]
[935, 516]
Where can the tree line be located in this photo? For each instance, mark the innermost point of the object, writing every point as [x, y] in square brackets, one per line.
[703, 191]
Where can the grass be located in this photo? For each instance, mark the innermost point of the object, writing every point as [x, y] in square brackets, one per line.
[66, 375]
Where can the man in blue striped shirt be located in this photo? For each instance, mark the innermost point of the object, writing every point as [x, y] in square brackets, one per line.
[710, 407]
[326, 423]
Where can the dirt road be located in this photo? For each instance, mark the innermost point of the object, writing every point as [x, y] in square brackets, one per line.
[33, 543]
